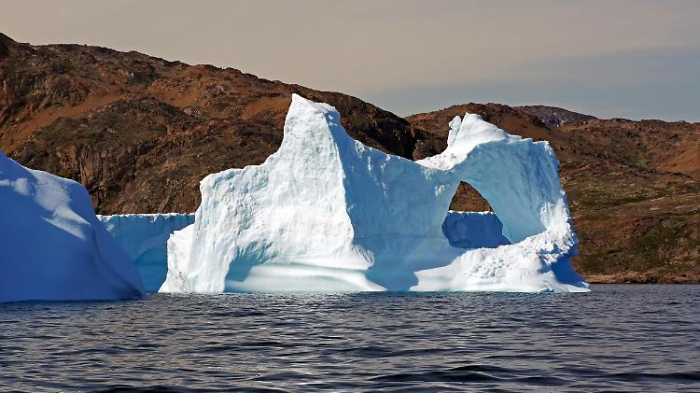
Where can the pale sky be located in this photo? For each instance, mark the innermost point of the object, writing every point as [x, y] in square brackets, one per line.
[633, 59]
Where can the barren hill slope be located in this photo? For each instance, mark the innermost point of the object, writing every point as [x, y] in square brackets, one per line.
[141, 132]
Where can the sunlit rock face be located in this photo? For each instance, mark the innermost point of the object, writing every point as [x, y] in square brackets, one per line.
[326, 213]
[52, 247]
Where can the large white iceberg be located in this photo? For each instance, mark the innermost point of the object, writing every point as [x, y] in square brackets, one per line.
[52, 247]
[144, 237]
[326, 213]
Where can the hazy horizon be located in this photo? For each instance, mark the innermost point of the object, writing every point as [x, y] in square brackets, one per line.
[631, 59]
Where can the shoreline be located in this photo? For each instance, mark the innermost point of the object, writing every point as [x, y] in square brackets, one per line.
[643, 278]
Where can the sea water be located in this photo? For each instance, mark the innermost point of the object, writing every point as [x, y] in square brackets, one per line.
[615, 338]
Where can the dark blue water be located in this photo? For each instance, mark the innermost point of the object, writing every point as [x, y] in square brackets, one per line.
[616, 338]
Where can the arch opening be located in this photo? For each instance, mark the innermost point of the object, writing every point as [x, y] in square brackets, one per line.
[471, 222]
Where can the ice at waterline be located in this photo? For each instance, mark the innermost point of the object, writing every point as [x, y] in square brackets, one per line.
[327, 213]
[144, 237]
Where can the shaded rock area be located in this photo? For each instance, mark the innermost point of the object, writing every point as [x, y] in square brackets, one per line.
[553, 116]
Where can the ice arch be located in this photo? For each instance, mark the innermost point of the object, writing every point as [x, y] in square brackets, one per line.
[326, 213]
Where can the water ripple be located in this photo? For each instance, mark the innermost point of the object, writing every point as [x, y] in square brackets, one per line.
[616, 338]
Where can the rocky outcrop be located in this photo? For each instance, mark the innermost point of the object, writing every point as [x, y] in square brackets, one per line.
[552, 116]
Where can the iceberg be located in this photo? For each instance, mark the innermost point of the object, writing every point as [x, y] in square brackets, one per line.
[52, 247]
[327, 213]
[144, 237]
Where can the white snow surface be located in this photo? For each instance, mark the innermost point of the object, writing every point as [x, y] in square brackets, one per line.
[327, 213]
[144, 237]
[52, 247]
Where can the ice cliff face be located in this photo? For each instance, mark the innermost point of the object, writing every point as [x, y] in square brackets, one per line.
[144, 237]
[326, 213]
[52, 247]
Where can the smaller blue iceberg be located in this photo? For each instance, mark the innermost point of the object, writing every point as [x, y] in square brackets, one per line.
[52, 246]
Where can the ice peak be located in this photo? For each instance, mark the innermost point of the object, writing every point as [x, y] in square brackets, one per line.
[471, 131]
[305, 116]
[303, 105]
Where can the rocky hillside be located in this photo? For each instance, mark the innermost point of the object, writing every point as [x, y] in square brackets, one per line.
[140, 132]
[633, 187]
